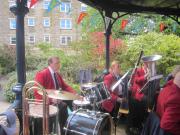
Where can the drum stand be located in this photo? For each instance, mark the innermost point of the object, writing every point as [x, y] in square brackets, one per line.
[93, 99]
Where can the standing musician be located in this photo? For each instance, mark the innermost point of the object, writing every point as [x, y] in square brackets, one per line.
[137, 101]
[168, 106]
[112, 105]
[50, 78]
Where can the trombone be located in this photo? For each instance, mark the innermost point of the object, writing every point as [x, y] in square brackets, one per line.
[29, 87]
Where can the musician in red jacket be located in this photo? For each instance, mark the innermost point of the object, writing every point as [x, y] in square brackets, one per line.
[137, 101]
[112, 105]
[168, 106]
[50, 78]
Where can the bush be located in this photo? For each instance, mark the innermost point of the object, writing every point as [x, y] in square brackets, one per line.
[152, 43]
[12, 81]
[7, 59]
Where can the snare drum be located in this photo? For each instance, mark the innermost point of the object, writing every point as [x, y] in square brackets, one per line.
[85, 104]
[84, 122]
[99, 91]
[36, 116]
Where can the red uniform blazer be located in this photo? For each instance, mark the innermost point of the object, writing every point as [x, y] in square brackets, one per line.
[45, 79]
[138, 82]
[108, 105]
[168, 108]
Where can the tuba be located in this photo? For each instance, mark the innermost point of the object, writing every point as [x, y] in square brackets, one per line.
[150, 62]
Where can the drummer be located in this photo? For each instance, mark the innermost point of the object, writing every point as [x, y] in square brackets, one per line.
[50, 78]
[112, 105]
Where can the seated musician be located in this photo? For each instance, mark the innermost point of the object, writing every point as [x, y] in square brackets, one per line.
[168, 106]
[112, 105]
[50, 78]
[137, 101]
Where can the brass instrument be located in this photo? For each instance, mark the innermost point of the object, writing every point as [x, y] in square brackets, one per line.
[150, 61]
[29, 87]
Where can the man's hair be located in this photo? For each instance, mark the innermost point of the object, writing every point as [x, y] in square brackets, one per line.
[177, 79]
[114, 63]
[50, 60]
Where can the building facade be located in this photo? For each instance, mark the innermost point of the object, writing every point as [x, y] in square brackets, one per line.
[58, 26]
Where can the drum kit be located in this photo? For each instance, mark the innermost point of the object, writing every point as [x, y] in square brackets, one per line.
[85, 118]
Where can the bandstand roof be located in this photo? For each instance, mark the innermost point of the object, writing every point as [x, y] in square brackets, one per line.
[164, 7]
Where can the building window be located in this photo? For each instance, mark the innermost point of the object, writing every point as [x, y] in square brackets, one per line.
[47, 38]
[12, 23]
[12, 3]
[32, 39]
[46, 4]
[65, 7]
[83, 7]
[65, 40]
[65, 24]
[46, 22]
[31, 21]
[13, 40]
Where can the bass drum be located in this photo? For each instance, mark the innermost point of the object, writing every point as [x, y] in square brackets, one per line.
[85, 122]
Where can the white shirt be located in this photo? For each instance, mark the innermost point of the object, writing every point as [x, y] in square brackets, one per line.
[52, 75]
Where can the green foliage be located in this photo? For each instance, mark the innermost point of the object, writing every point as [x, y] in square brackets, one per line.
[138, 23]
[152, 43]
[93, 22]
[7, 59]
[12, 81]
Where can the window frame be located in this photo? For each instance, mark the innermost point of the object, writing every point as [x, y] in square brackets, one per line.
[12, 26]
[12, 3]
[66, 37]
[46, 4]
[29, 39]
[83, 6]
[45, 35]
[10, 40]
[65, 25]
[31, 25]
[66, 8]
[44, 23]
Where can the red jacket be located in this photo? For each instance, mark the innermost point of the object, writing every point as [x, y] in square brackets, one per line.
[45, 79]
[168, 108]
[138, 82]
[108, 105]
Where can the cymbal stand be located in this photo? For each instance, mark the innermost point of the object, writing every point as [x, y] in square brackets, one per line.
[93, 99]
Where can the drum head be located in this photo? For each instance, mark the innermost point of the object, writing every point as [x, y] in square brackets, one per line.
[88, 123]
[83, 102]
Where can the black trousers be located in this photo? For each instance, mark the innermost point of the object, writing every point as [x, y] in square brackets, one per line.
[137, 113]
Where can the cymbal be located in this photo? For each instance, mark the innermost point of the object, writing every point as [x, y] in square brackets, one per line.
[62, 95]
[88, 85]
